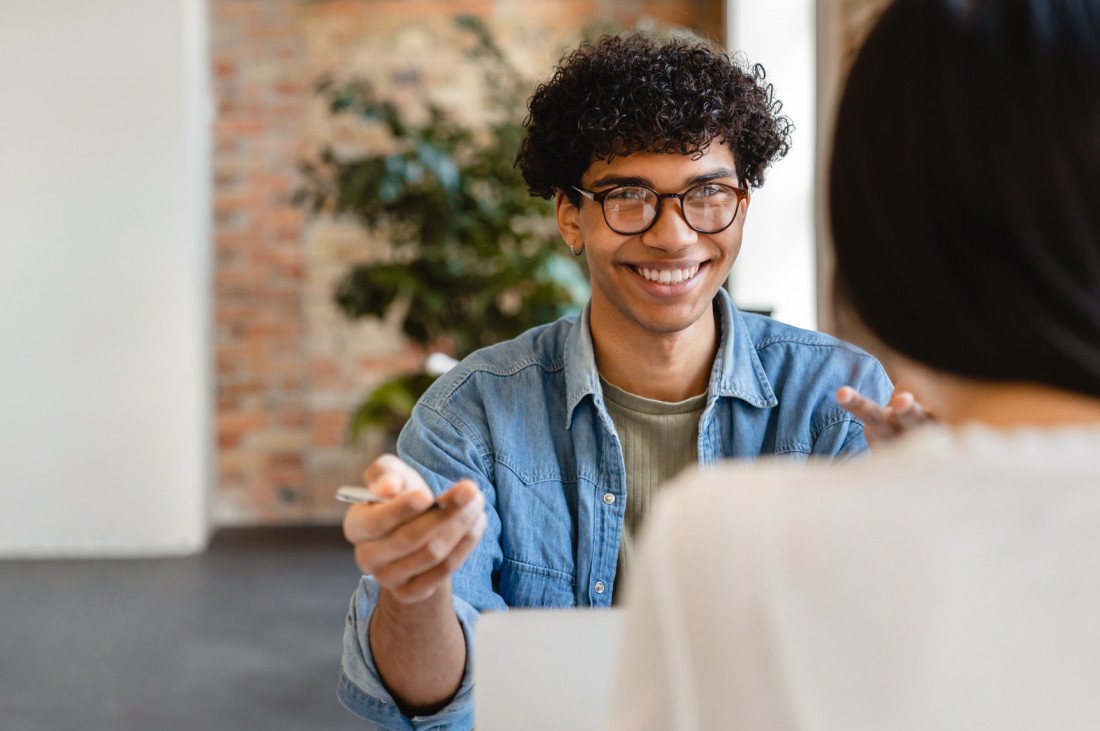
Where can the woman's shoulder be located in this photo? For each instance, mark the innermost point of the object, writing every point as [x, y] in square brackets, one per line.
[935, 477]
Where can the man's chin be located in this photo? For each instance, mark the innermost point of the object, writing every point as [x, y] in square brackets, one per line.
[675, 320]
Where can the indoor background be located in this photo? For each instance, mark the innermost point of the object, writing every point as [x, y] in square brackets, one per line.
[173, 364]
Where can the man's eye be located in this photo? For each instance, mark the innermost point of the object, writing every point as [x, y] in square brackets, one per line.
[627, 194]
[711, 194]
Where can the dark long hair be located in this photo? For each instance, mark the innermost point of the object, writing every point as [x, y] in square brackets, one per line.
[965, 188]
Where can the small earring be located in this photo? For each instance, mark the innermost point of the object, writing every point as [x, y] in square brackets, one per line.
[576, 252]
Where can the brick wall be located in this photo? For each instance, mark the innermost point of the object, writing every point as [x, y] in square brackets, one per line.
[289, 368]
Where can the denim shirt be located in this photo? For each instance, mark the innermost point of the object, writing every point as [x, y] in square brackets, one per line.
[526, 420]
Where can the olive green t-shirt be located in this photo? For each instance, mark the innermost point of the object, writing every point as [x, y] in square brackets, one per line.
[659, 439]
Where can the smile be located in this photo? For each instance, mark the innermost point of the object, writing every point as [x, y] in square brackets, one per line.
[668, 276]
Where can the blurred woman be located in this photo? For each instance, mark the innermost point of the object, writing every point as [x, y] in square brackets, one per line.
[952, 581]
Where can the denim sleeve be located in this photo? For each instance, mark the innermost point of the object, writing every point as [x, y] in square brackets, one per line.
[442, 453]
[843, 439]
[361, 689]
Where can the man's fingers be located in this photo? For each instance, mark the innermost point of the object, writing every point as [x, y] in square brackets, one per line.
[901, 414]
[374, 521]
[408, 494]
[423, 585]
[388, 476]
[907, 410]
[461, 493]
[871, 414]
[401, 539]
[901, 401]
[426, 548]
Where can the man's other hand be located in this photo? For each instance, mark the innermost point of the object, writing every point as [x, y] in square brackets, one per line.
[884, 423]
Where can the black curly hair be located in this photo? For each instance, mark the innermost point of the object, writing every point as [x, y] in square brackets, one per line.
[634, 93]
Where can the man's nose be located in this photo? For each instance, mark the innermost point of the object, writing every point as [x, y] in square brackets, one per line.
[671, 230]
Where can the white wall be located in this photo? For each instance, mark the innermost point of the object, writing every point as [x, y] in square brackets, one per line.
[777, 266]
[104, 278]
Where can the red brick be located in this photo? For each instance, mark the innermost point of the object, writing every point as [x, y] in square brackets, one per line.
[241, 423]
[327, 428]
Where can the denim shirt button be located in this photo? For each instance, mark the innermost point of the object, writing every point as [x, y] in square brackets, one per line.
[599, 587]
[608, 498]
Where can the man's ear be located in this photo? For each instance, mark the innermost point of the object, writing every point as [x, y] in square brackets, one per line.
[569, 220]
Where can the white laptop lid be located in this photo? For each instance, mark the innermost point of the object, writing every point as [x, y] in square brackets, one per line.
[539, 670]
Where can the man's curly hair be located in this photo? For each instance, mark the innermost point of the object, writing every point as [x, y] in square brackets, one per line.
[633, 93]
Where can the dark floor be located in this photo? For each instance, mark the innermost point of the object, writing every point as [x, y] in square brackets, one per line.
[244, 637]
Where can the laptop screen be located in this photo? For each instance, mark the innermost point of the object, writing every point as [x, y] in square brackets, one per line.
[543, 669]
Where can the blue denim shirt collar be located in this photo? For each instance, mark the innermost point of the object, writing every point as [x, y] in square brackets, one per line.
[737, 371]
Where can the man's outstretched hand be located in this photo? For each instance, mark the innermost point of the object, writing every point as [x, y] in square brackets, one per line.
[884, 423]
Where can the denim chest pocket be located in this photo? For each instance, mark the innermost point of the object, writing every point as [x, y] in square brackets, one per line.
[523, 585]
[538, 513]
[792, 453]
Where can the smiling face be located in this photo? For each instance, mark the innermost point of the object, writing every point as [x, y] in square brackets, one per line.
[661, 281]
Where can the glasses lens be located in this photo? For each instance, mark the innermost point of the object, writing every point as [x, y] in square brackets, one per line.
[629, 209]
[710, 207]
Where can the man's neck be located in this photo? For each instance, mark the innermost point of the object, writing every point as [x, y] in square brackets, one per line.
[667, 367]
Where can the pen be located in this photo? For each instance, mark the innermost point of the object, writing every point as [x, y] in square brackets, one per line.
[359, 495]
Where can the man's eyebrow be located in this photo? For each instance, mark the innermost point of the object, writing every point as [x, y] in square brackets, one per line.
[616, 180]
[712, 175]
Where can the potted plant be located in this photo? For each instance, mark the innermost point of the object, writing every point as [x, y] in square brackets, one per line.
[475, 258]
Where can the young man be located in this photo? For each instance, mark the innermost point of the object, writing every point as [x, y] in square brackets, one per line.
[543, 453]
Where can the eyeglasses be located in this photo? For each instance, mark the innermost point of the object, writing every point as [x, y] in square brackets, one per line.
[708, 208]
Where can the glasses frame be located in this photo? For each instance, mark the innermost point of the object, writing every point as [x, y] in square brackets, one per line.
[741, 193]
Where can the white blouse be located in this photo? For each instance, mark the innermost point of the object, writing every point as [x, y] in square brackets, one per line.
[951, 582]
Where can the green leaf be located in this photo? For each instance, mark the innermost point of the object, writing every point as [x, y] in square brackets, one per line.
[389, 405]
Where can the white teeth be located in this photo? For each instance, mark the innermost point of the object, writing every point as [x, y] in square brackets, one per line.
[668, 276]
